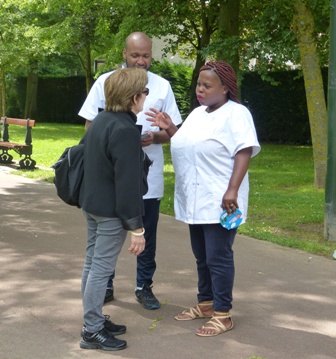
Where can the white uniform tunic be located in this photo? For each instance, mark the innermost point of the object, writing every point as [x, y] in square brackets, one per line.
[162, 98]
[203, 152]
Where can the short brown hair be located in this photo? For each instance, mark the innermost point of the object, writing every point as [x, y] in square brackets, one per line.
[121, 86]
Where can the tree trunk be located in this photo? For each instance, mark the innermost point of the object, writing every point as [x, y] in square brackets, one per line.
[31, 96]
[303, 26]
[2, 92]
[228, 26]
[203, 42]
[193, 100]
[88, 68]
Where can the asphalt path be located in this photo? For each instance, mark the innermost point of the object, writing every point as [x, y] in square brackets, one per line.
[284, 299]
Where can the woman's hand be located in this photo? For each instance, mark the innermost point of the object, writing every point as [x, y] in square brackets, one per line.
[163, 121]
[148, 140]
[137, 244]
[229, 201]
[160, 119]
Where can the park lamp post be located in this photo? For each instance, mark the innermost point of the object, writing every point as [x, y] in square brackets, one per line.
[330, 191]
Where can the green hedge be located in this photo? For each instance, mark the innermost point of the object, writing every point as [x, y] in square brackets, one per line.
[180, 77]
[58, 99]
[279, 112]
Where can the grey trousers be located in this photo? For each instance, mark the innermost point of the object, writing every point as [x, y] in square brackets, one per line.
[105, 238]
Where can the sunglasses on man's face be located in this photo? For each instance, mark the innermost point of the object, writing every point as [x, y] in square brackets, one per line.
[146, 91]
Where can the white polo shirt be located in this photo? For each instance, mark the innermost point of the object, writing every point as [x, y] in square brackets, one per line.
[203, 152]
[162, 98]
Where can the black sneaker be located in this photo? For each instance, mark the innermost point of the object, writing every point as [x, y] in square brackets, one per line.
[109, 295]
[112, 328]
[101, 340]
[146, 297]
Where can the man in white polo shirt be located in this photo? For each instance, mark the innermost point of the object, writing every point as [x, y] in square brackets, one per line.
[138, 53]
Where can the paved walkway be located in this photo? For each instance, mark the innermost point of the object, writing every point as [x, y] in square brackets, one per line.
[284, 299]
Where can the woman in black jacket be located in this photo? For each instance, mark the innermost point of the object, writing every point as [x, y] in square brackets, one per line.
[111, 198]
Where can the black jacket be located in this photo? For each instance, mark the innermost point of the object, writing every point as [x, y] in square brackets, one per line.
[112, 183]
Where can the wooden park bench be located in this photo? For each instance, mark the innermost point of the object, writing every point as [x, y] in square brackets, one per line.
[25, 149]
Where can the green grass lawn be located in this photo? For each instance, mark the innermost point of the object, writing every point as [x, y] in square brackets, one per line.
[285, 207]
[49, 142]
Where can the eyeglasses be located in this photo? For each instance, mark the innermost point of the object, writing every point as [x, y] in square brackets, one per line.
[146, 91]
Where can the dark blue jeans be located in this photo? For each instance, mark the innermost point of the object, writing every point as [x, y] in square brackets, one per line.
[212, 248]
[146, 264]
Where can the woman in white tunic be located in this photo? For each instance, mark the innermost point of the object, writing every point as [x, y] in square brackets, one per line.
[211, 154]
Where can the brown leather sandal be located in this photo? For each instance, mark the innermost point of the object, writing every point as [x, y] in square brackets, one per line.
[195, 312]
[215, 325]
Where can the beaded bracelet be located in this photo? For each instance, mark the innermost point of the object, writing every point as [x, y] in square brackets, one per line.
[138, 234]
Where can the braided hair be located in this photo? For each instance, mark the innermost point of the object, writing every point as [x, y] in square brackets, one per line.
[226, 74]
